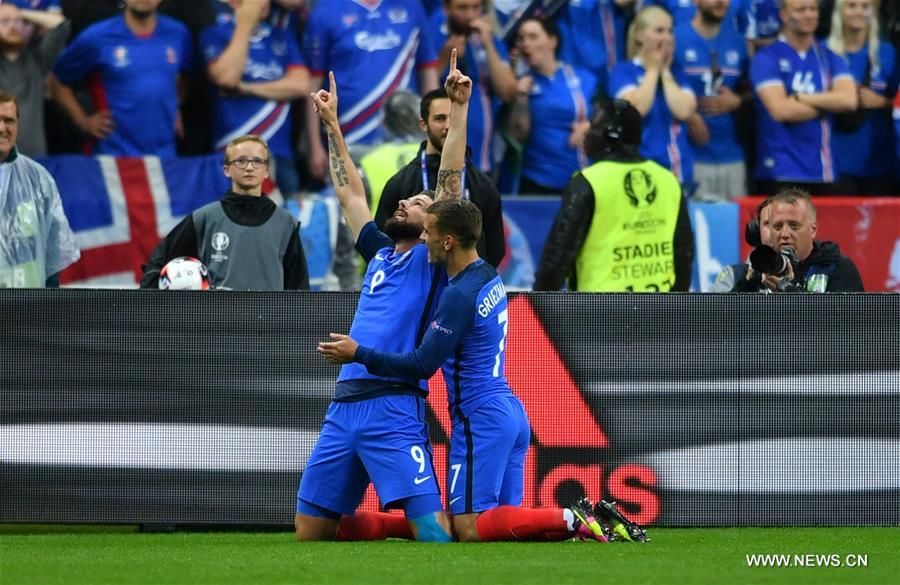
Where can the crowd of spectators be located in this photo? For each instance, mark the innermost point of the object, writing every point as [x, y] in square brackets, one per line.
[738, 96]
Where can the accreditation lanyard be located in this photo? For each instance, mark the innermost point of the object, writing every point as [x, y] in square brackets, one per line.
[580, 105]
[426, 186]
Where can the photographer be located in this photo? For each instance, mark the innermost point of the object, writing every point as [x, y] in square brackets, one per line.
[791, 260]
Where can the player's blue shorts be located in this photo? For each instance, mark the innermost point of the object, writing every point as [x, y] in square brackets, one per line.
[487, 456]
[383, 440]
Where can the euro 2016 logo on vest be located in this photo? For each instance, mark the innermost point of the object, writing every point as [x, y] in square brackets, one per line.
[639, 188]
[220, 241]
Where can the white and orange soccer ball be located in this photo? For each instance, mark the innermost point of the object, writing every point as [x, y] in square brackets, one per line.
[184, 273]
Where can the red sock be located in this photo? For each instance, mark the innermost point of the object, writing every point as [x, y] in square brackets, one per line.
[515, 523]
[373, 526]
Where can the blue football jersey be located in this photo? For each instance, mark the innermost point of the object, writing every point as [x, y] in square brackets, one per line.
[373, 49]
[593, 35]
[467, 339]
[483, 105]
[664, 138]
[556, 103]
[709, 64]
[398, 298]
[795, 151]
[763, 19]
[867, 152]
[683, 11]
[135, 78]
[272, 52]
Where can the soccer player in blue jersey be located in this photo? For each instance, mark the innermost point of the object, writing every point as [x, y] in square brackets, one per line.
[375, 429]
[799, 84]
[133, 63]
[713, 57]
[491, 433]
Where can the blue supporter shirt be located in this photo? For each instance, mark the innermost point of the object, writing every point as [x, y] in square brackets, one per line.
[683, 11]
[272, 52]
[593, 34]
[795, 151]
[664, 138]
[556, 103]
[372, 51]
[868, 152]
[398, 298]
[709, 64]
[763, 19]
[135, 78]
[467, 339]
[483, 105]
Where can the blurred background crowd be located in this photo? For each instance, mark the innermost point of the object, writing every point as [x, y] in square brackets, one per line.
[181, 78]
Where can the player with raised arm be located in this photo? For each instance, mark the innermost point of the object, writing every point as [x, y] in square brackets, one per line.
[491, 433]
[375, 428]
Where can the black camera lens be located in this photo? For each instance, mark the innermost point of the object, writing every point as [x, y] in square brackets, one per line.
[766, 260]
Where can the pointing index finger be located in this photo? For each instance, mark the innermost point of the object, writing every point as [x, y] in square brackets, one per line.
[333, 86]
[453, 60]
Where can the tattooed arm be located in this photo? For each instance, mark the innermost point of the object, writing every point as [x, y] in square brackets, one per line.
[453, 156]
[346, 181]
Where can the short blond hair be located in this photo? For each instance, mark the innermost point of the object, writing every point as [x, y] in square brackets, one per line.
[640, 22]
[248, 138]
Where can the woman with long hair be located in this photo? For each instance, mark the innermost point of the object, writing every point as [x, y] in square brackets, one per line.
[863, 141]
[660, 93]
[555, 106]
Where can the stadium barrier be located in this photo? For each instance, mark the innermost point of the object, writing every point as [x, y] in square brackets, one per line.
[184, 408]
[120, 208]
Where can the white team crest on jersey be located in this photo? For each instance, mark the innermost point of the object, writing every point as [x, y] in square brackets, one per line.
[398, 15]
[171, 56]
[731, 57]
[120, 57]
[784, 65]
[349, 20]
[690, 55]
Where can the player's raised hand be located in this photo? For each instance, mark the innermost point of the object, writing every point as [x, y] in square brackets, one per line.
[457, 85]
[340, 351]
[326, 102]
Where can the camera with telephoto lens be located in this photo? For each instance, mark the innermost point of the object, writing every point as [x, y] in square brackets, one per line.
[765, 259]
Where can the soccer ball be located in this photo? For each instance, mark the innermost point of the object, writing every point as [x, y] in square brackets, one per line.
[184, 273]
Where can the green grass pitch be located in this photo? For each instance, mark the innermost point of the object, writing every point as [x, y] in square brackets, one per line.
[714, 556]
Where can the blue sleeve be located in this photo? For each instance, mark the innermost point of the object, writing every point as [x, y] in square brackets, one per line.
[501, 49]
[370, 240]
[890, 68]
[316, 45]
[294, 56]
[213, 43]
[79, 58]
[763, 70]
[620, 78]
[838, 66]
[426, 52]
[453, 319]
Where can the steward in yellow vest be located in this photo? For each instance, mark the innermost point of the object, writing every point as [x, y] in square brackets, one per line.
[623, 225]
